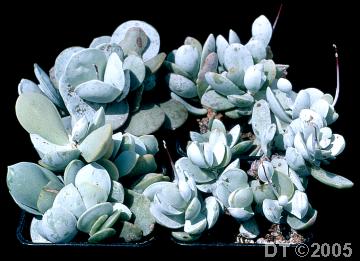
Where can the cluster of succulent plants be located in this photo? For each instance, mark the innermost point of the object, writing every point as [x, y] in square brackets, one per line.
[92, 180]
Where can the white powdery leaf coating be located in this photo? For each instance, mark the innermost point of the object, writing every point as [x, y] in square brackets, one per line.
[233, 37]
[212, 211]
[237, 57]
[181, 85]
[284, 85]
[298, 205]
[254, 79]
[272, 210]
[257, 49]
[152, 49]
[26, 85]
[70, 199]
[80, 129]
[114, 73]
[276, 107]
[262, 29]
[188, 59]
[265, 171]
[58, 225]
[195, 154]
[249, 229]
[221, 46]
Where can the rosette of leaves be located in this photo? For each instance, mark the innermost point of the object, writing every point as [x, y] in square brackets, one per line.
[86, 198]
[279, 194]
[114, 73]
[178, 206]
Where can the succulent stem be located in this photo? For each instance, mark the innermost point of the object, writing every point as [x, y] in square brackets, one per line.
[337, 76]
[277, 16]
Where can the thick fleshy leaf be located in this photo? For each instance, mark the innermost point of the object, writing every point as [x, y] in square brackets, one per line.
[193, 209]
[191, 109]
[302, 101]
[241, 214]
[47, 87]
[97, 225]
[146, 121]
[209, 47]
[155, 63]
[35, 236]
[85, 65]
[114, 72]
[91, 215]
[174, 68]
[37, 115]
[151, 143]
[117, 193]
[125, 162]
[249, 229]
[265, 171]
[130, 232]
[97, 91]
[193, 42]
[330, 179]
[71, 171]
[110, 168]
[261, 191]
[58, 225]
[175, 114]
[338, 145]
[152, 48]
[296, 161]
[306, 222]
[137, 70]
[261, 118]
[188, 59]
[63, 59]
[241, 198]
[93, 183]
[189, 168]
[241, 101]
[143, 182]
[210, 65]
[222, 84]
[47, 195]
[169, 221]
[140, 207]
[95, 145]
[196, 225]
[262, 30]
[181, 85]
[272, 210]
[221, 45]
[135, 41]
[233, 37]
[144, 164]
[25, 181]
[237, 57]
[125, 211]
[117, 113]
[254, 78]
[276, 107]
[70, 199]
[283, 184]
[257, 49]
[212, 211]
[100, 40]
[26, 85]
[211, 99]
[55, 156]
[298, 205]
[102, 235]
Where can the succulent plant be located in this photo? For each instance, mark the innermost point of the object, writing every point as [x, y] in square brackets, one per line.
[94, 181]
[177, 205]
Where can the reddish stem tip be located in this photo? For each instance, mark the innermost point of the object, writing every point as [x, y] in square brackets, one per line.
[277, 16]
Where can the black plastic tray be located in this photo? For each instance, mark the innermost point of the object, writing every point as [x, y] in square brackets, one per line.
[160, 239]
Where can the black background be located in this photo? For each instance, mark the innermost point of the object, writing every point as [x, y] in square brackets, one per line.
[303, 38]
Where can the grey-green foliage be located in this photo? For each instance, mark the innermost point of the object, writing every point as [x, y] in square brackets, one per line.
[89, 198]
[113, 73]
